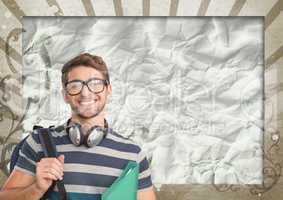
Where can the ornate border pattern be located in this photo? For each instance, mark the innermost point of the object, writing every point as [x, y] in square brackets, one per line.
[272, 145]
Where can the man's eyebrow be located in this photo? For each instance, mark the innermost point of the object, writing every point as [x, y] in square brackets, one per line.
[75, 80]
[79, 80]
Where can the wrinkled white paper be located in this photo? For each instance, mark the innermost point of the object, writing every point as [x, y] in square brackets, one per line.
[188, 90]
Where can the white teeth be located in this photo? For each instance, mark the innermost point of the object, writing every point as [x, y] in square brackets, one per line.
[87, 102]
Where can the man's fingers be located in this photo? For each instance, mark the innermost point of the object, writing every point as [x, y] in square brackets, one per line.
[54, 172]
[52, 162]
[49, 176]
[51, 166]
[61, 158]
[48, 170]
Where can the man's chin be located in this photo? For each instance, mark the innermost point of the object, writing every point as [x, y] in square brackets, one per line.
[87, 115]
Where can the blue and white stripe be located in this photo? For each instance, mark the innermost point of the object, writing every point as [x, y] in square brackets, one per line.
[88, 172]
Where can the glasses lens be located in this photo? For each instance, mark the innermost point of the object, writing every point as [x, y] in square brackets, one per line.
[96, 85]
[74, 87]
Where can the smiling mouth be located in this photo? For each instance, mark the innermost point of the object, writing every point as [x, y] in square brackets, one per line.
[87, 102]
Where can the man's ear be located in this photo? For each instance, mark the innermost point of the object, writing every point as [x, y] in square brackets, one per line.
[109, 89]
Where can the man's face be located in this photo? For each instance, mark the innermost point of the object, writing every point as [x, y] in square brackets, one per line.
[86, 104]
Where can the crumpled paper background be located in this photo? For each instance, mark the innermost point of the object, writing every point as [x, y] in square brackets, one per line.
[188, 90]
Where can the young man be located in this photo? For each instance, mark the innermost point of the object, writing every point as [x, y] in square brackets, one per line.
[87, 169]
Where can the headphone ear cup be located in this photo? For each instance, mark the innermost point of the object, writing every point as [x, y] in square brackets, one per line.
[75, 134]
[95, 137]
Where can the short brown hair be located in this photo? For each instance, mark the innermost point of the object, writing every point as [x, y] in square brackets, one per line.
[87, 60]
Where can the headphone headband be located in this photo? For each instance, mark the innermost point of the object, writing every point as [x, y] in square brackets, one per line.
[69, 121]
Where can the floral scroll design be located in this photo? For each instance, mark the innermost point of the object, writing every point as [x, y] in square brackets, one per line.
[14, 36]
[10, 87]
[271, 171]
[7, 112]
[16, 123]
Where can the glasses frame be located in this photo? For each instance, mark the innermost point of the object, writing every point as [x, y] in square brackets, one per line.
[85, 83]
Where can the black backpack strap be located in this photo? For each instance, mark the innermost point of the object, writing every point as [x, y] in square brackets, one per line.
[49, 150]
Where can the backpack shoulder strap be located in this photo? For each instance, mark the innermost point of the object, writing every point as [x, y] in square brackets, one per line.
[45, 138]
[49, 149]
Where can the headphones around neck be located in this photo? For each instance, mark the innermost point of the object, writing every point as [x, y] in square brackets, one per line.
[92, 138]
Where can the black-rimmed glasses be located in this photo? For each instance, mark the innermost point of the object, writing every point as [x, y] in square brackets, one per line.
[94, 85]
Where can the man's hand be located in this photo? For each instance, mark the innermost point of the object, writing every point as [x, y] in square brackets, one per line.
[147, 194]
[47, 171]
[23, 186]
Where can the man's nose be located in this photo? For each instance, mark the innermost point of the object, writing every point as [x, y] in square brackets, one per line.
[85, 91]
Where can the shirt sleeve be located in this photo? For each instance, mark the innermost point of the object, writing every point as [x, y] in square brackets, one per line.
[29, 154]
[144, 181]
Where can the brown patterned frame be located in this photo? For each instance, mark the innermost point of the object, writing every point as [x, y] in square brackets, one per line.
[273, 159]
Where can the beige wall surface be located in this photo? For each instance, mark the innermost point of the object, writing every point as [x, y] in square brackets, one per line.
[13, 107]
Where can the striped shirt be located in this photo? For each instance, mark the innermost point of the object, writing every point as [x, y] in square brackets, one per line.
[88, 172]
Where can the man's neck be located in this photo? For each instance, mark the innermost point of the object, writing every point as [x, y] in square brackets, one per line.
[87, 124]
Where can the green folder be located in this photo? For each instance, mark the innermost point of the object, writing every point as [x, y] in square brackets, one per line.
[125, 186]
